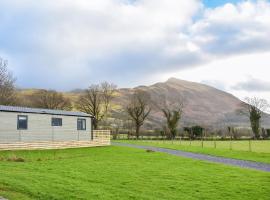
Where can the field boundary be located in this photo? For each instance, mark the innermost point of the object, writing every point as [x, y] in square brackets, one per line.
[246, 145]
[227, 161]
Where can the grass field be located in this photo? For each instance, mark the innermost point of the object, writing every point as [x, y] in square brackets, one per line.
[123, 173]
[240, 149]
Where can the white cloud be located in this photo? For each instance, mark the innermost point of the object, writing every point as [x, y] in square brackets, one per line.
[227, 73]
[234, 29]
[76, 43]
[253, 85]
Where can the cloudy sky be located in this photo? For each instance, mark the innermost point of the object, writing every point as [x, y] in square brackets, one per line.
[67, 44]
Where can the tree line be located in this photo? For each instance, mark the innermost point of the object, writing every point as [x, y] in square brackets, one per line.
[96, 100]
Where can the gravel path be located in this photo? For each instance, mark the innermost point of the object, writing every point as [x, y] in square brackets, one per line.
[227, 161]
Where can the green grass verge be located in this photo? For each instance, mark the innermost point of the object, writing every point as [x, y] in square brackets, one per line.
[124, 173]
[236, 154]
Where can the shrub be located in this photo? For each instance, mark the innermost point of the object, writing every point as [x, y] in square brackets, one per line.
[197, 131]
[268, 133]
[264, 133]
[188, 130]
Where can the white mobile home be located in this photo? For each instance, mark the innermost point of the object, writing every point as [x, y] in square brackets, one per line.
[33, 128]
[32, 125]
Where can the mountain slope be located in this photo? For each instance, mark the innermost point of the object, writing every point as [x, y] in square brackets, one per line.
[203, 105]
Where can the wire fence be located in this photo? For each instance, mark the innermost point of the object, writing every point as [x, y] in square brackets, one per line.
[260, 146]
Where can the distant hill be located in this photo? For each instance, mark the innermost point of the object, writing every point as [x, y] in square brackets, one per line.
[203, 105]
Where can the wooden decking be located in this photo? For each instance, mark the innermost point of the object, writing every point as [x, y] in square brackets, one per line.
[101, 138]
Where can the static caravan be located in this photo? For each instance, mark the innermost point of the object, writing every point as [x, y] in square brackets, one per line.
[32, 125]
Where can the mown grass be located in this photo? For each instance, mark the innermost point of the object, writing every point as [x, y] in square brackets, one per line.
[221, 150]
[259, 146]
[124, 173]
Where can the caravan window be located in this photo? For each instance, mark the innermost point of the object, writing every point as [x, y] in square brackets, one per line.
[22, 122]
[81, 124]
[56, 121]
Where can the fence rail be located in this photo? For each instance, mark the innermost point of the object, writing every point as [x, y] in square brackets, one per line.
[100, 138]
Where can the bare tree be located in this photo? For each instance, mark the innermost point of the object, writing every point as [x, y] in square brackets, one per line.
[128, 126]
[7, 87]
[91, 102]
[96, 101]
[117, 125]
[254, 108]
[49, 99]
[138, 109]
[108, 91]
[173, 113]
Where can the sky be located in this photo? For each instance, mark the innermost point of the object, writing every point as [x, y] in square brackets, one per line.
[67, 44]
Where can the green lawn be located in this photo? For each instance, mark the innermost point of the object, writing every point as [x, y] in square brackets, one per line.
[260, 152]
[124, 173]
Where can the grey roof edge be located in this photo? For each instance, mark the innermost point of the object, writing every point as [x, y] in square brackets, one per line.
[19, 109]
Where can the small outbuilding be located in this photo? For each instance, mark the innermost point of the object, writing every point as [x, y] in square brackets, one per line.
[33, 125]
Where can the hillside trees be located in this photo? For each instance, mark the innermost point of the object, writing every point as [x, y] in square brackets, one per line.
[7, 85]
[49, 99]
[138, 109]
[254, 108]
[96, 101]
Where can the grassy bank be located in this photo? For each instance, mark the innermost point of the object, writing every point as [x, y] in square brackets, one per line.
[123, 173]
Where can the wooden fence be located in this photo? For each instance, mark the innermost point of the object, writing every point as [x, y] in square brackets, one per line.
[100, 138]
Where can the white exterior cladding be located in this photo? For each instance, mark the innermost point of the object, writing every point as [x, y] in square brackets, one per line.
[40, 128]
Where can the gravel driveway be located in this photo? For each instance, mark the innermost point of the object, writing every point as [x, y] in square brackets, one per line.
[227, 161]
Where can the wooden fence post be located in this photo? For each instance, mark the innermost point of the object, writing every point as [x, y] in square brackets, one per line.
[249, 144]
[202, 139]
